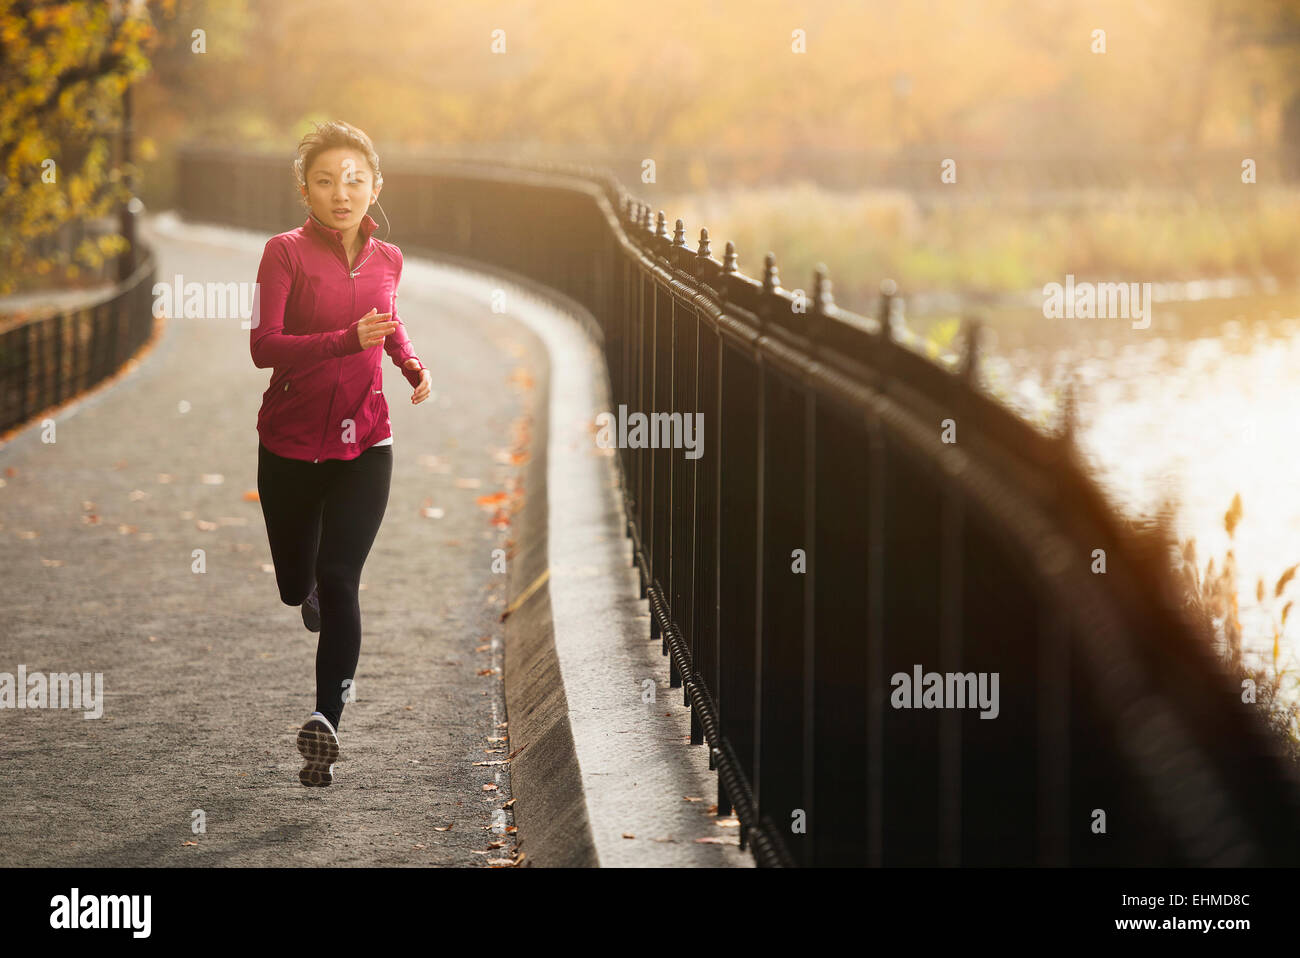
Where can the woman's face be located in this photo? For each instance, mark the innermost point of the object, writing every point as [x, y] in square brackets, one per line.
[339, 187]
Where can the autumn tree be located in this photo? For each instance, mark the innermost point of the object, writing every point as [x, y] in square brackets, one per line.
[64, 68]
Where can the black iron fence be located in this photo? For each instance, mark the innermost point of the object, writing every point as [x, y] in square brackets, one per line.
[48, 359]
[867, 543]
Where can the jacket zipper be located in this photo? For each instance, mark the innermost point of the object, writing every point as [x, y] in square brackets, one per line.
[352, 280]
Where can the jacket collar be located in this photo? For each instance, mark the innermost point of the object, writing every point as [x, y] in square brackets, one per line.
[365, 228]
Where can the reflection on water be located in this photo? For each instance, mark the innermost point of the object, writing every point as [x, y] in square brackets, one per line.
[1198, 421]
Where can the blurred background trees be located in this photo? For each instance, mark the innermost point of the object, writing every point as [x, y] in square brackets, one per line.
[64, 68]
[1035, 96]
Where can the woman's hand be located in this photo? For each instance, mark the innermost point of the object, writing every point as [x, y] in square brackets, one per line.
[373, 327]
[421, 391]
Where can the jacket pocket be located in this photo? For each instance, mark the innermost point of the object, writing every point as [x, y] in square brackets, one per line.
[291, 398]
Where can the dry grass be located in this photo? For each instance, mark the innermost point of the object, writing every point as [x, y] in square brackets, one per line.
[1211, 597]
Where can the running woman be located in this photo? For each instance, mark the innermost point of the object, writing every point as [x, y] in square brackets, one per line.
[326, 299]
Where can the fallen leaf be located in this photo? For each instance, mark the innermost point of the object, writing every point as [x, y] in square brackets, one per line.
[250, 495]
[628, 835]
[446, 828]
[709, 841]
[489, 787]
[186, 844]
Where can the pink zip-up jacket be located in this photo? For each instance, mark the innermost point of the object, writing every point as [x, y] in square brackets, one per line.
[326, 398]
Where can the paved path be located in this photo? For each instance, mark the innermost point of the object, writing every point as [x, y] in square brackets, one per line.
[207, 676]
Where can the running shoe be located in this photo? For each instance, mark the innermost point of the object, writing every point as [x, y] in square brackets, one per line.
[311, 611]
[319, 745]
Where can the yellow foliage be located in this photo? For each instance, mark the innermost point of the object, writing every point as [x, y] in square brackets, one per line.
[64, 71]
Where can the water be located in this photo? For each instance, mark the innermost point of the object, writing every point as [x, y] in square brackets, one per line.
[1196, 421]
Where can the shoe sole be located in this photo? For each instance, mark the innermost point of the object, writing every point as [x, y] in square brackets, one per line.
[320, 747]
[311, 617]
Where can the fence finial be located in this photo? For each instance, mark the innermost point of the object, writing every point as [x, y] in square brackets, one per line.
[679, 233]
[661, 228]
[972, 338]
[729, 258]
[886, 317]
[822, 297]
[704, 250]
[771, 280]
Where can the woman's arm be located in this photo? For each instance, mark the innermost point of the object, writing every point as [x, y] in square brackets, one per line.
[267, 340]
[398, 345]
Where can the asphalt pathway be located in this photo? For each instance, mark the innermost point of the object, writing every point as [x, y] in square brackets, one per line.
[207, 675]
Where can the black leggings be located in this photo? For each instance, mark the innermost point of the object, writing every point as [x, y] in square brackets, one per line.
[321, 519]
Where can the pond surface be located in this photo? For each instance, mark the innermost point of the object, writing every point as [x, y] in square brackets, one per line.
[1197, 421]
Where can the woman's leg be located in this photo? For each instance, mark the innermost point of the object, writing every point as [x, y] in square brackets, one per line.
[292, 495]
[354, 506]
